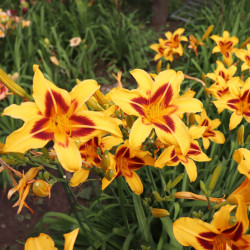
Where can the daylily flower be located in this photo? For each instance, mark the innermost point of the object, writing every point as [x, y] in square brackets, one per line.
[23, 188]
[44, 241]
[173, 155]
[244, 56]
[222, 233]
[59, 116]
[242, 157]
[125, 162]
[174, 41]
[237, 101]
[222, 77]
[157, 104]
[225, 45]
[90, 157]
[159, 48]
[75, 41]
[210, 133]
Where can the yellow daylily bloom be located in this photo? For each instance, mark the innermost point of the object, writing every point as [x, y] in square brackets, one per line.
[174, 41]
[210, 133]
[23, 188]
[90, 157]
[125, 162]
[242, 157]
[244, 56]
[173, 155]
[224, 232]
[59, 116]
[157, 104]
[44, 241]
[159, 48]
[225, 45]
[237, 101]
[222, 76]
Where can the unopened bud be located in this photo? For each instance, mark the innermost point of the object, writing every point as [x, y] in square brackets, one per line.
[105, 162]
[191, 118]
[203, 187]
[12, 86]
[159, 213]
[214, 178]
[240, 135]
[158, 66]
[232, 220]
[109, 175]
[41, 188]
[93, 104]
[101, 97]
[46, 41]
[157, 196]
[197, 215]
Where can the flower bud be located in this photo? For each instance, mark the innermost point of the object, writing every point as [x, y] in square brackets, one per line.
[105, 162]
[191, 118]
[240, 135]
[93, 104]
[159, 213]
[214, 178]
[203, 187]
[101, 97]
[198, 214]
[157, 196]
[109, 175]
[176, 180]
[41, 188]
[158, 66]
[12, 86]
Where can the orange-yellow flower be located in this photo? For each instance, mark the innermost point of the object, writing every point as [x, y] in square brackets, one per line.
[225, 45]
[125, 162]
[158, 106]
[244, 56]
[223, 232]
[210, 133]
[59, 116]
[173, 155]
[159, 48]
[194, 43]
[222, 77]
[237, 101]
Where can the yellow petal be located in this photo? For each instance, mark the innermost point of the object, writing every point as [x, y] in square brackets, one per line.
[143, 79]
[70, 239]
[79, 177]
[194, 232]
[167, 155]
[172, 131]
[24, 139]
[67, 152]
[191, 169]
[48, 97]
[187, 105]
[131, 102]
[218, 138]
[25, 111]
[196, 132]
[134, 182]
[235, 120]
[139, 132]
[83, 91]
[108, 142]
[43, 241]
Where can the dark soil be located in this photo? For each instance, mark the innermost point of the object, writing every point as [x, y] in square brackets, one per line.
[15, 227]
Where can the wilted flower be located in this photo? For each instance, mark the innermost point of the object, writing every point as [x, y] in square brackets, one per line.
[3, 91]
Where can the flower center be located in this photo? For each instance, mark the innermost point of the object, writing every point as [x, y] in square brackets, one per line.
[154, 111]
[226, 47]
[221, 242]
[60, 123]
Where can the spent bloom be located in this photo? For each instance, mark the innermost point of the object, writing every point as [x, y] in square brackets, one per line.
[224, 232]
[157, 105]
[75, 41]
[60, 116]
[225, 45]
